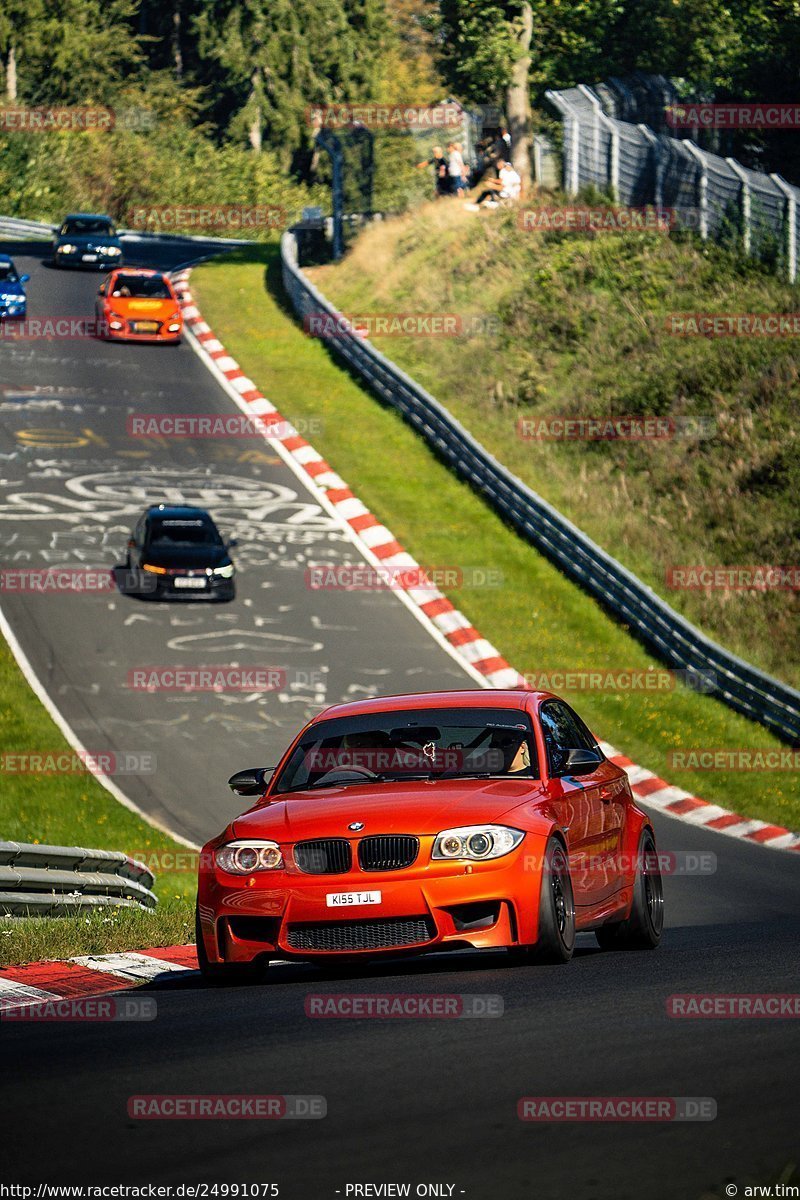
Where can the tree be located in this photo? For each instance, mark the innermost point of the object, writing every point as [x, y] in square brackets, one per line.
[485, 53]
[270, 61]
[72, 51]
[20, 34]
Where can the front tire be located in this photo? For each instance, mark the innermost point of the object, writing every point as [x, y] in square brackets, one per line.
[556, 941]
[642, 929]
[223, 972]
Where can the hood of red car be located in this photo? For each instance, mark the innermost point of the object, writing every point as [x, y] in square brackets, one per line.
[413, 807]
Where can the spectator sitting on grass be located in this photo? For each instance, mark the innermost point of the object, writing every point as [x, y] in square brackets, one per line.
[439, 164]
[506, 187]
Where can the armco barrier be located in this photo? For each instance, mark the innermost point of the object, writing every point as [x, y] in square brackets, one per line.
[47, 881]
[17, 229]
[677, 642]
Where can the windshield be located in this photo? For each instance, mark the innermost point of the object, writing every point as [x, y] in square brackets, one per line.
[80, 226]
[414, 744]
[152, 287]
[8, 273]
[173, 532]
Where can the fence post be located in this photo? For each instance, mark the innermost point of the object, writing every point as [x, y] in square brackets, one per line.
[791, 224]
[658, 180]
[702, 186]
[537, 158]
[597, 113]
[574, 164]
[572, 147]
[613, 166]
[739, 171]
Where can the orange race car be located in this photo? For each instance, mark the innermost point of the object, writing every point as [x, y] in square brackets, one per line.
[138, 305]
[431, 822]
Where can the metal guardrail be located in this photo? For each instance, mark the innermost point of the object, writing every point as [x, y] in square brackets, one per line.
[677, 642]
[54, 881]
[17, 228]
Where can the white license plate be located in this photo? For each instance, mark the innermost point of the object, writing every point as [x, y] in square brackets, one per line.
[349, 899]
[88, 258]
[199, 582]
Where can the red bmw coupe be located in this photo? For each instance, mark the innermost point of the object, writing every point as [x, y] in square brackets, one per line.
[427, 822]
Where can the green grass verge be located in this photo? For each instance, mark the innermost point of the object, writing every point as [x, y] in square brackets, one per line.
[538, 619]
[68, 810]
[581, 329]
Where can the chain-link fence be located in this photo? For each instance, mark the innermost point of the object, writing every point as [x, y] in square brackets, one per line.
[717, 197]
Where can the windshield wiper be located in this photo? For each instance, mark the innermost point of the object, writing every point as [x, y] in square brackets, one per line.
[325, 783]
[483, 775]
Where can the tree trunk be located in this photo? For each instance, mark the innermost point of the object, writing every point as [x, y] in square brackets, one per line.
[254, 132]
[177, 53]
[518, 102]
[11, 74]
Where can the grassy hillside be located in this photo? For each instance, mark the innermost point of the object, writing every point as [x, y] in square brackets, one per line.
[581, 332]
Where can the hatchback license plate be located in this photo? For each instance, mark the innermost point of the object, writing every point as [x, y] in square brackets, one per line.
[190, 583]
[88, 258]
[349, 899]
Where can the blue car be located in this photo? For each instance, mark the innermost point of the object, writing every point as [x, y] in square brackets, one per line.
[12, 292]
[87, 240]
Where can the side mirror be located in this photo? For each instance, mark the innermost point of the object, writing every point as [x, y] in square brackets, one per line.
[581, 762]
[24, 278]
[131, 543]
[251, 782]
[233, 542]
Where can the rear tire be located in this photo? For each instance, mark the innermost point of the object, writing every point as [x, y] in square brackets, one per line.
[224, 972]
[642, 929]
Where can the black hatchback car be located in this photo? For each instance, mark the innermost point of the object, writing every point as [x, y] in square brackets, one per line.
[87, 240]
[177, 553]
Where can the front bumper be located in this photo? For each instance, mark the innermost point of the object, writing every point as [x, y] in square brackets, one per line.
[14, 311]
[434, 907]
[166, 587]
[105, 263]
[128, 335]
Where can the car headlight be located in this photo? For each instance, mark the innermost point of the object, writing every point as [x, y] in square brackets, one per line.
[476, 842]
[247, 857]
[111, 251]
[156, 570]
[223, 572]
[67, 248]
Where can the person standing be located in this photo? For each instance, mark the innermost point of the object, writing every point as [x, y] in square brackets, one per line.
[440, 172]
[456, 169]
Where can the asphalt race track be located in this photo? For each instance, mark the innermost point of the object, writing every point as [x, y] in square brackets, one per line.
[408, 1101]
[73, 482]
